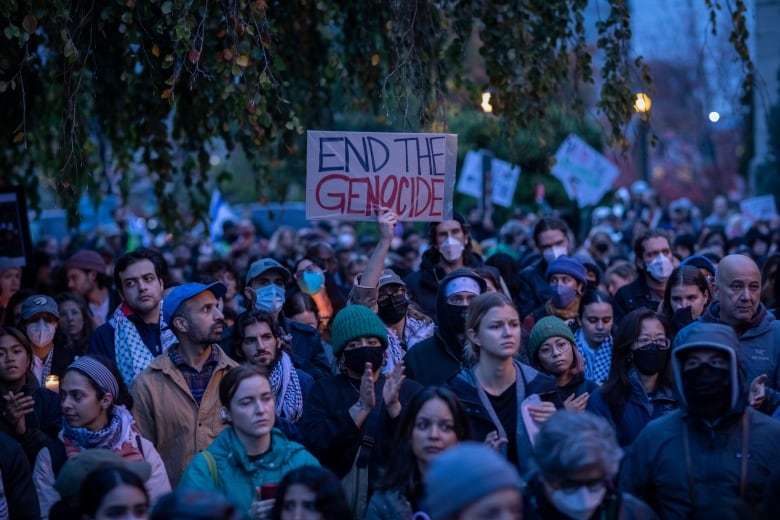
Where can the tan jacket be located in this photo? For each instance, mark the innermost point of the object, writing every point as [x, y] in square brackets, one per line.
[168, 415]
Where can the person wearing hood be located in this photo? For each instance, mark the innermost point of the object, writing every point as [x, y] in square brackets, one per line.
[713, 454]
[450, 249]
[436, 359]
[503, 397]
[250, 452]
[737, 290]
[653, 258]
[567, 278]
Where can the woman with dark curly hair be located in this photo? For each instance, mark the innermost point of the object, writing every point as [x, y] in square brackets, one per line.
[310, 492]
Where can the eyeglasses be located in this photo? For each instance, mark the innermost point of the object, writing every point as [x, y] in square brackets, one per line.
[560, 346]
[661, 343]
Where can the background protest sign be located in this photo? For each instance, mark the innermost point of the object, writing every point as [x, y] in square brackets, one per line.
[15, 240]
[759, 208]
[503, 179]
[350, 174]
[504, 182]
[585, 173]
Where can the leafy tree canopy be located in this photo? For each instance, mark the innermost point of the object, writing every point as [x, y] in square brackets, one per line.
[92, 89]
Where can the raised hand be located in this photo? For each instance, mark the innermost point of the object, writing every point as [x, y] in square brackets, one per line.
[392, 389]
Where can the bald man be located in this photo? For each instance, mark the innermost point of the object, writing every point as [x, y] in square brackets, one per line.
[737, 290]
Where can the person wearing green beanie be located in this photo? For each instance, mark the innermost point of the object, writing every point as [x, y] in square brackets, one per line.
[552, 350]
[349, 419]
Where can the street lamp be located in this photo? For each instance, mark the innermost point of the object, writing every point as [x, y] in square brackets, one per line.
[485, 105]
[642, 104]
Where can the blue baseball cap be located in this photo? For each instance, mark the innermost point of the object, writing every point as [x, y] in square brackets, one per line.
[179, 294]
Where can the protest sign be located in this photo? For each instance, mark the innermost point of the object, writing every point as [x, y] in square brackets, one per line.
[349, 175]
[504, 182]
[759, 208]
[470, 180]
[585, 174]
[15, 240]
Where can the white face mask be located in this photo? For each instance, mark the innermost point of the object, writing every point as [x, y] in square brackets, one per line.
[551, 253]
[451, 249]
[660, 268]
[579, 504]
[41, 333]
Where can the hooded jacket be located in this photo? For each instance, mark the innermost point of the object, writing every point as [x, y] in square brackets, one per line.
[436, 359]
[534, 382]
[683, 465]
[423, 285]
[759, 349]
[237, 477]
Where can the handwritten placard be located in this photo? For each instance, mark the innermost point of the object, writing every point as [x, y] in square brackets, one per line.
[586, 174]
[756, 209]
[351, 174]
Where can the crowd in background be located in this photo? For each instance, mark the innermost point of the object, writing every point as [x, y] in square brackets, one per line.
[623, 365]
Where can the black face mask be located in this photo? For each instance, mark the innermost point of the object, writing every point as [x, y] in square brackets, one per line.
[708, 390]
[602, 247]
[393, 309]
[649, 361]
[682, 317]
[456, 317]
[357, 358]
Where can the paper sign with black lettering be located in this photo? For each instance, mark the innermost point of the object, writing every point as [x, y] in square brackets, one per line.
[349, 175]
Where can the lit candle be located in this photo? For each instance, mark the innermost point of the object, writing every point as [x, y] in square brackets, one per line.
[52, 383]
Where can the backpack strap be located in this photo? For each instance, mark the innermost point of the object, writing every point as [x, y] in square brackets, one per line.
[211, 463]
[140, 446]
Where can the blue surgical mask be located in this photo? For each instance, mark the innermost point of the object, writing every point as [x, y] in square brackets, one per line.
[269, 298]
[312, 281]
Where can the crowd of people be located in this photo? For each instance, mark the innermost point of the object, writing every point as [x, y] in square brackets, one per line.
[474, 371]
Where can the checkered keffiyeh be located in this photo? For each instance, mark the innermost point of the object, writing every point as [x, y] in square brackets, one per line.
[132, 354]
[597, 362]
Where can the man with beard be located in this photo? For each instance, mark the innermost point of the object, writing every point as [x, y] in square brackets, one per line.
[711, 457]
[737, 289]
[653, 258]
[134, 335]
[434, 360]
[266, 290]
[179, 391]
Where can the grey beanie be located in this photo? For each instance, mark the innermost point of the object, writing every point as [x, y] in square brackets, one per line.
[463, 475]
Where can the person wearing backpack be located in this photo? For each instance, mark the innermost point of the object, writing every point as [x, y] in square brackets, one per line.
[250, 454]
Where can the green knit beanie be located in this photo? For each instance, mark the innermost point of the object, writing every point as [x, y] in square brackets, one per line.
[356, 321]
[548, 327]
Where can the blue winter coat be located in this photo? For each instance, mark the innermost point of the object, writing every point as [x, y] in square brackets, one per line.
[638, 410]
